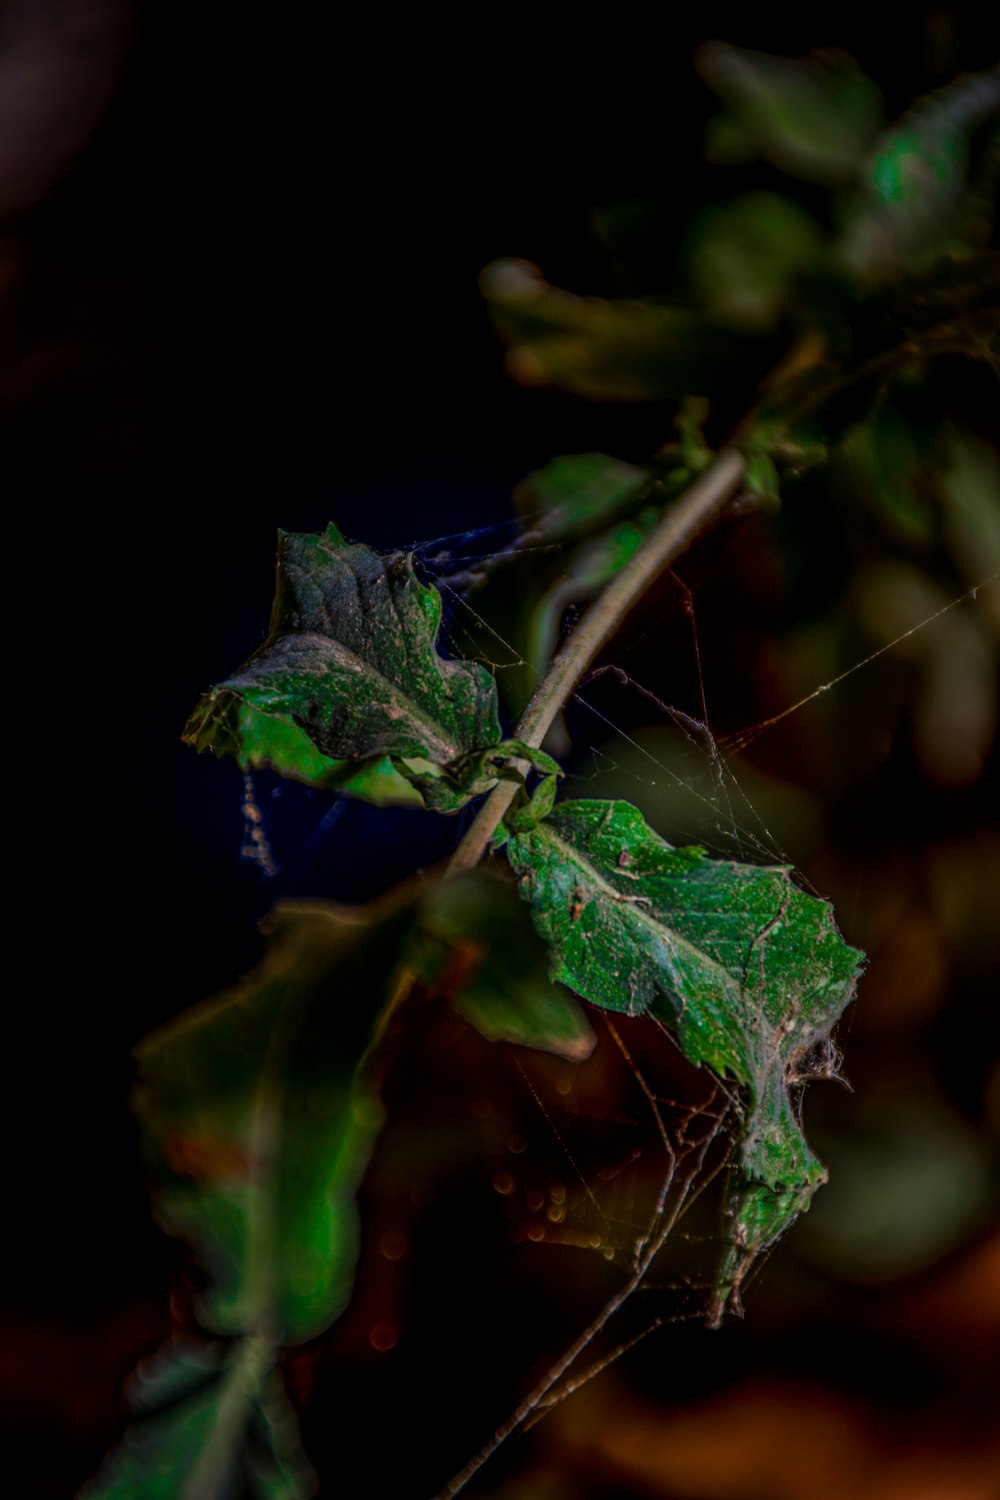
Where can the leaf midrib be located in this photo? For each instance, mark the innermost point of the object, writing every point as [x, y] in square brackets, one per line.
[640, 911]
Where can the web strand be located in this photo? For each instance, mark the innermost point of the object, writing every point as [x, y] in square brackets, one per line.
[735, 743]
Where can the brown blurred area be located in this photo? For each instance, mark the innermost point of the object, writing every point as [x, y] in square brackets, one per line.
[238, 260]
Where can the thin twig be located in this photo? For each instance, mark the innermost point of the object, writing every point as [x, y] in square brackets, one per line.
[537, 1397]
[684, 521]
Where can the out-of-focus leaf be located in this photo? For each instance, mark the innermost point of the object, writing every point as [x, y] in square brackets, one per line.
[954, 700]
[916, 178]
[893, 470]
[576, 494]
[609, 351]
[351, 661]
[812, 118]
[204, 1428]
[609, 508]
[575, 497]
[274, 1459]
[761, 477]
[749, 812]
[177, 1371]
[910, 1181]
[747, 970]
[590, 566]
[970, 485]
[477, 946]
[258, 1126]
[953, 308]
[695, 454]
[744, 256]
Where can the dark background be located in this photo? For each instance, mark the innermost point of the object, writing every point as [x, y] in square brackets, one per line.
[238, 263]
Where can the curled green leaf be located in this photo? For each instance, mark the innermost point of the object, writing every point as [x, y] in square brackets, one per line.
[350, 671]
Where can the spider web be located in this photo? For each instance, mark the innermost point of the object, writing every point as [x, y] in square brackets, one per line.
[641, 1188]
[640, 1220]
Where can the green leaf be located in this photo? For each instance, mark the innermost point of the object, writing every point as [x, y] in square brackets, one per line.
[529, 811]
[351, 663]
[916, 181]
[970, 486]
[744, 258]
[228, 724]
[258, 1123]
[204, 1427]
[449, 793]
[591, 565]
[893, 469]
[609, 351]
[761, 477]
[812, 118]
[576, 494]
[275, 1462]
[695, 454]
[509, 751]
[477, 947]
[747, 970]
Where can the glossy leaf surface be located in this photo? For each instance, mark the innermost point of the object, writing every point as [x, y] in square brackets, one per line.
[747, 970]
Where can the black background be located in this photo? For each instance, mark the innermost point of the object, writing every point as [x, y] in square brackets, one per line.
[248, 301]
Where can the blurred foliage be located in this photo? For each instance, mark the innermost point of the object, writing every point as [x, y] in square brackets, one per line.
[259, 1112]
[811, 316]
[814, 119]
[761, 267]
